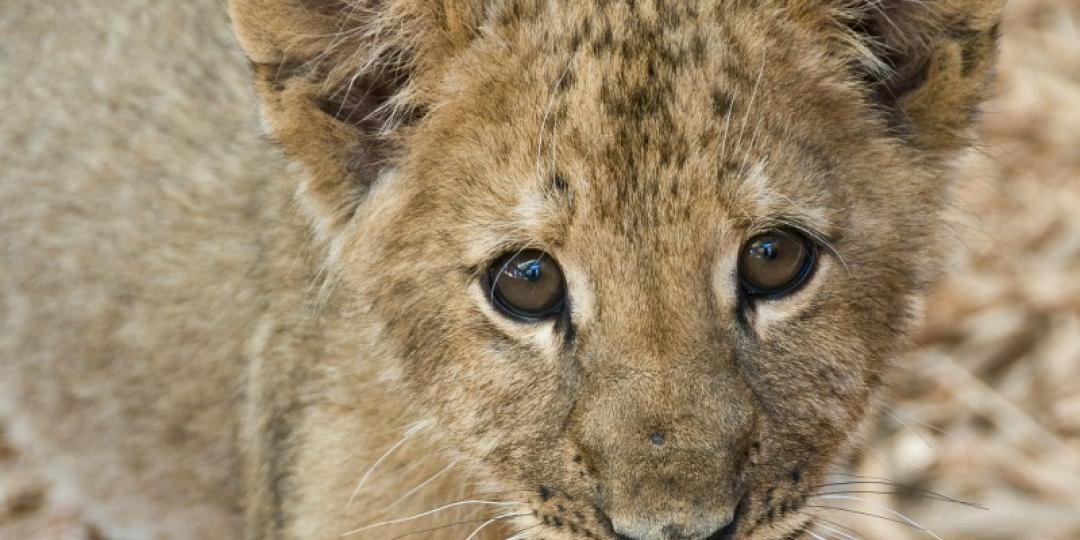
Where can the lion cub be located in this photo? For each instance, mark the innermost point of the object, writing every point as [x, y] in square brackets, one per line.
[612, 269]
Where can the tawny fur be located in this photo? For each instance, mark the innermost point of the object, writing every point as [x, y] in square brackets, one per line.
[206, 339]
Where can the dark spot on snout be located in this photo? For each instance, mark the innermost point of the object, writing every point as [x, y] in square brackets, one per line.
[732, 528]
[656, 438]
[723, 103]
[559, 183]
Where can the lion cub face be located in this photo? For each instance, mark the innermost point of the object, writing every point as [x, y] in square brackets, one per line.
[644, 261]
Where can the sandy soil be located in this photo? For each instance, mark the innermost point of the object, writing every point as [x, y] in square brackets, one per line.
[988, 409]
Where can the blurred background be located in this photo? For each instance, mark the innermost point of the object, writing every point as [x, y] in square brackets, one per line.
[981, 439]
[988, 410]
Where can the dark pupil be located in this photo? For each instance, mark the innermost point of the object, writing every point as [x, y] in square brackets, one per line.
[529, 284]
[773, 261]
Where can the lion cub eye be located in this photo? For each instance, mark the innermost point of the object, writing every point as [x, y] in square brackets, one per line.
[775, 263]
[527, 285]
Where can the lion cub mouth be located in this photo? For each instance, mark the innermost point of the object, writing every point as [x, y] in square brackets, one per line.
[774, 517]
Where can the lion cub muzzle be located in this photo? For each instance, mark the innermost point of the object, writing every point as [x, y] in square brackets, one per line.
[666, 450]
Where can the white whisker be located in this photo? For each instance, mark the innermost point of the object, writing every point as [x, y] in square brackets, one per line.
[931, 427]
[486, 523]
[750, 106]
[837, 532]
[364, 479]
[420, 486]
[547, 114]
[906, 519]
[427, 513]
[520, 535]
[907, 427]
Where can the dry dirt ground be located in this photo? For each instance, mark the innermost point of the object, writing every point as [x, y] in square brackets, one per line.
[988, 409]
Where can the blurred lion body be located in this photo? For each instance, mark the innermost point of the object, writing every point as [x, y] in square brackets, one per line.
[166, 346]
[134, 195]
[150, 254]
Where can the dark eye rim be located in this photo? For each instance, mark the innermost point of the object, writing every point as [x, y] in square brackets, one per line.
[506, 308]
[801, 279]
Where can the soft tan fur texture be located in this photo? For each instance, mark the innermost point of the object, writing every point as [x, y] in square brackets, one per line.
[198, 356]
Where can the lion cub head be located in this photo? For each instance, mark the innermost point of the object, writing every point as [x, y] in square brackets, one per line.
[646, 261]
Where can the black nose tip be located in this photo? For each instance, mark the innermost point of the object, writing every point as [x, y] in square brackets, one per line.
[719, 526]
[676, 532]
[726, 533]
[729, 531]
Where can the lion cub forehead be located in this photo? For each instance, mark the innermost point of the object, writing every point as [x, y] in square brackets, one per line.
[629, 104]
[620, 120]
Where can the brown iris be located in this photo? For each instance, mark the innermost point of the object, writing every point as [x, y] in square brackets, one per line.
[527, 284]
[775, 263]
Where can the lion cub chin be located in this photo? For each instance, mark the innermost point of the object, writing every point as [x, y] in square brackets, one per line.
[512, 268]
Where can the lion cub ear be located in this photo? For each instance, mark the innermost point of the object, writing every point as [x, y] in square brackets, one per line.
[338, 79]
[926, 63]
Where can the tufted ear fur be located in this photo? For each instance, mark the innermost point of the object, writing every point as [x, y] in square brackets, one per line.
[340, 79]
[925, 63]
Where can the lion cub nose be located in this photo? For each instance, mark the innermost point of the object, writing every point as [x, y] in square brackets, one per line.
[699, 529]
